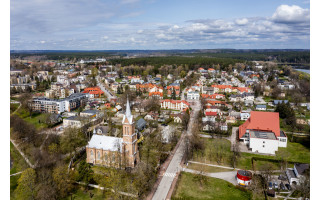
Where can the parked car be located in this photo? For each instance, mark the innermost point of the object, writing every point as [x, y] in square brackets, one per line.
[288, 186]
[270, 185]
[282, 187]
[275, 185]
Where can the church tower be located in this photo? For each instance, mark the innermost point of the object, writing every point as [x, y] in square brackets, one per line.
[130, 139]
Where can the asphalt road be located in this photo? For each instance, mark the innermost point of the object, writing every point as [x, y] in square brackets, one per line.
[106, 91]
[174, 166]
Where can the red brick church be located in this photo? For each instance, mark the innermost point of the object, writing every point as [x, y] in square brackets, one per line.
[113, 151]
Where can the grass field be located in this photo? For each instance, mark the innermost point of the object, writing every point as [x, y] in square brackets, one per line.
[294, 152]
[34, 119]
[19, 164]
[190, 188]
[13, 107]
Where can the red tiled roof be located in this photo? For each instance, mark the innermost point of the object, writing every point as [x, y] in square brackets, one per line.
[211, 113]
[155, 93]
[222, 86]
[175, 101]
[264, 121]
[217, 102]
[93, 90]
[242, 89]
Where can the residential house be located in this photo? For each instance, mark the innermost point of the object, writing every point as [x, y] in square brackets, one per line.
[296, 175]
[181, 105]
[156, 95]
[209, 116]
[261, 107]
[245, 114]
[141, 124]
[261, 132]
[193, 95]
[73, 121]
[151, 116]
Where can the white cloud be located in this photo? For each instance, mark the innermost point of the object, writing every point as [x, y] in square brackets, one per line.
[242, 21]
[287, 26]
[291, 14]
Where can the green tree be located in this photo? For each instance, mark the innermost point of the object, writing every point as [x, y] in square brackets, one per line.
[85, 172]
[173, 94]
[26, 185]
[63, 180]
[72, 139]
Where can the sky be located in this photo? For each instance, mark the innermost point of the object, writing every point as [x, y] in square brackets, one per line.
[159, 24]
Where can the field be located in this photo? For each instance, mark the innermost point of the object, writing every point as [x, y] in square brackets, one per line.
[34, 119]
[18, 164]
[190, 188]
[294, 152]
[13, 107]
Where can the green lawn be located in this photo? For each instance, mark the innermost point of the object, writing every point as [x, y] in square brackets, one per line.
[190, 188]
[13, 107]
[268, 99]
[19, 164]
[34, 119]
[294, 152]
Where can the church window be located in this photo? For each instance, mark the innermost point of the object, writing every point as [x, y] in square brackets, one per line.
[98, 155]
[106, 157]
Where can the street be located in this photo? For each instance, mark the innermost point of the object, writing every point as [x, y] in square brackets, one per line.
[174, 167]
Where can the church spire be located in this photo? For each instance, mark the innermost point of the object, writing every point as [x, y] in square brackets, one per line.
[128, 114]
[128, 111]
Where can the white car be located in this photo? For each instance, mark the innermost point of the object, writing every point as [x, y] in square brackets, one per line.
[275, 185]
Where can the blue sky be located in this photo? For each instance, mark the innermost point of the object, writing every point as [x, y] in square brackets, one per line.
[159, 24]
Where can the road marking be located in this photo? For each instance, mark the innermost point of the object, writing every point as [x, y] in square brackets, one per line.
[170, 174]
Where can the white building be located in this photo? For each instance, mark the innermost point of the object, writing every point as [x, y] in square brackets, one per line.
[193, 95]
[262, 132]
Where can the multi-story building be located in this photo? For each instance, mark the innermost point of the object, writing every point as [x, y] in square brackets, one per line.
[174, 104]
[59, 105]
[261, 132]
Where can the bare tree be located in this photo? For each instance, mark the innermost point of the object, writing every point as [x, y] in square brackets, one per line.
[265, 172]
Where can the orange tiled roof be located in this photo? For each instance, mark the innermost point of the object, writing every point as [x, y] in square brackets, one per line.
[93, 90]
[222, 86]
[155, 93]
[175, 101]
[242, 89]
[264, 121]
[217, 102]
